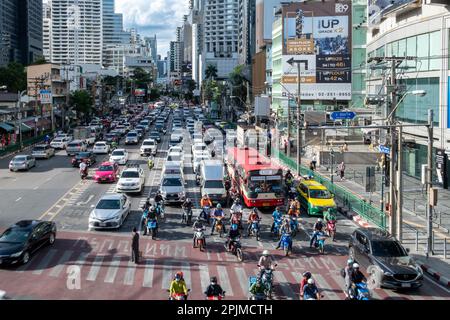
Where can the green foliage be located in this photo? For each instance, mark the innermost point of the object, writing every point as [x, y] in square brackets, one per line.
[82, 102]
[141, 78]
[211, 72]
[154, 94]
[237, 80]
[14, 76]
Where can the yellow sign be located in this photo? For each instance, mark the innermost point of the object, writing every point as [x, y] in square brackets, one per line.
[294, 79]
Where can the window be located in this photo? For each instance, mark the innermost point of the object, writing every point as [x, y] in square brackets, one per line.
[411, 50]
[422, 52]
[435, 51]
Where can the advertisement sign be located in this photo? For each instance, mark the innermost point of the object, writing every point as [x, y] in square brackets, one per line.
[139, 92]
[319, 33]
[45, 96]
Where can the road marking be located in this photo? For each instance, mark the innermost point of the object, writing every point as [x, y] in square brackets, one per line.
[324, 286]
[56, 270]
[87, 201]
[112, 270]
[95, 268]
[18, 199]
[81, 259]
[204, 275]
[167, 274]
[243, 279]
[129, 274]
[35, 188]
[45, 262]
[148, 273]
[284, 285]
[224, 280]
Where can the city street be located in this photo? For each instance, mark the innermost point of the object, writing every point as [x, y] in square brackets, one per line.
[88, 264]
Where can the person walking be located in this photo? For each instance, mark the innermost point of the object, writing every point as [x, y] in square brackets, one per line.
[341, 169]
[314, 161]
[135, 247]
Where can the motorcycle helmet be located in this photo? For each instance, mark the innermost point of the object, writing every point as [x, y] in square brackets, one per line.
[219, 206]
[213, 280]
[349, 262]
[355, 266]
[265, 253]
[237, 201]
[307, 274]
[179, 275]
[319, 220]
[310, 281]
[234, 227]
[188, 200]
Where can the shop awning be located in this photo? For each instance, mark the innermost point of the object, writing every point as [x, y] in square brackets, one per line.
[6, 127]
[24, 127]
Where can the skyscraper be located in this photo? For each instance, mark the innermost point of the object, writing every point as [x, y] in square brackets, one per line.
[152, 44]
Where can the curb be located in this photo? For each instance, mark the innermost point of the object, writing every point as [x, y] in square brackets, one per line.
[361, 221]
[436, 275]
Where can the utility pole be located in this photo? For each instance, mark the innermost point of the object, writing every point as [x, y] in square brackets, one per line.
[429, 184]
[299, 138]
[392, 176]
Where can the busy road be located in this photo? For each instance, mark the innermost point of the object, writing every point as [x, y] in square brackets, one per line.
[87, 263]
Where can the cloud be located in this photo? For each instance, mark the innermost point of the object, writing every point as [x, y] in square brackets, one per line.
[160, 17]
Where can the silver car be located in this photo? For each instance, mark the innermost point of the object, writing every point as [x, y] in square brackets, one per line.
[110, 212]
[172, 189]
[43, 151]
[75, 147]
[22, 162]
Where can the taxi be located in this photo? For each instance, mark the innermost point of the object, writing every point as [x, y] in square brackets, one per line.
[315, 199]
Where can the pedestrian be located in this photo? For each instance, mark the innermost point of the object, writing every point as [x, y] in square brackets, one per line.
[135, 246]
[285, 146]
[314, 161]
[341, 169]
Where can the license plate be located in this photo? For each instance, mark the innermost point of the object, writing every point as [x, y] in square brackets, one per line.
[102, 224]
[406, 285]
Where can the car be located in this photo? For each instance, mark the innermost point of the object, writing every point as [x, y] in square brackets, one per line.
[197, 147]
[111, 137]
[380, 254]
[132, 138]
[174, 140]
[59, 143]
[88, 156]
[121, 129]
[107, 172]
[76, 146]
[175, 156]
[161, 128]
[120, 156]
[110, 212]
[43, 151]
[315, 199]
[172, 189]
[155, 136]
[132, 180]
[149, 146]
[140, 132]
[177, 148]
[22, 162]
[100, 147]
[23, 239]
[198, 157]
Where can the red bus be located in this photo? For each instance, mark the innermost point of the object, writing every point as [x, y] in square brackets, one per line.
[259, 182]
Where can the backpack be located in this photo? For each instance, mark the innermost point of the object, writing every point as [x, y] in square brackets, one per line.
[343, 272]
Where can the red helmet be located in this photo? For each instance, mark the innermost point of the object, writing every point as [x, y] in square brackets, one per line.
[179, 275]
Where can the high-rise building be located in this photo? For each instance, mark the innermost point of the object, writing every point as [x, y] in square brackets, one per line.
[152, 45]
[246, 46]
[20, 31]
[264, 17]
[77, 31]
[47, 31]
[175, 59]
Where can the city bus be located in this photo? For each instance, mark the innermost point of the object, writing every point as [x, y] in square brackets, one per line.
[258, 181]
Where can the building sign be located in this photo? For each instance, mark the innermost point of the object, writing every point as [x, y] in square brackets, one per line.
[321, 34]
[45, 96]
[139, 92]
[441, 167]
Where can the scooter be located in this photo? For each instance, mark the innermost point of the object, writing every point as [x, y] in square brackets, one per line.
[331, 229]
[294, 225]
[152, 228]
[286, 243]
[258, 296]
[267, 281]
[362, 292]
[144, 221]
[254, 230]
[236, 217]
[178, 296]
[204, 214]
[218, 297]
[186, 216]
[160, 211]
[320, 242]
[219, 226]
[276, 228]
[199, 239]
[84, 173]
[236, 248]
[150, 163]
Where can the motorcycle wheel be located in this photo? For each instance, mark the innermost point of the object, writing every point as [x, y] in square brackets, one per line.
[286, 250]
[239, 254]
[202, 245]
[321, 249]
[258, 237]
[194, 242]
[221, 233]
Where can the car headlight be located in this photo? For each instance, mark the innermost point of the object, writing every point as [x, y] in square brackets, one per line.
[389, 274]
[16, 255]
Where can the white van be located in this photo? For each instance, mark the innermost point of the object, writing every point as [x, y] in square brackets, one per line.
[212, 180]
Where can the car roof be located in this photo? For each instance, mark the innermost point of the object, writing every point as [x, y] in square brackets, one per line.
[120, 150]
[40, 145]
[376, 234]
[104, 142]
[26, 224]
[147, 140]
[76, 141]
[107, 163]
[112, 196]
[131, 169]
[312, 184]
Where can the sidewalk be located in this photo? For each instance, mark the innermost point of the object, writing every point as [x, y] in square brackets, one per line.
[414, 220]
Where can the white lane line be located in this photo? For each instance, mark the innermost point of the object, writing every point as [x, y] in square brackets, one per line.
[129, 274]
[167, 275]
[56, 270]
[432, 281]
[18, 199]
[243, 279]
[204, 275]
[112, 270]
[284, 285]
[325, 288]
[95, 268]
[225, 280]
[148, 273]
[45, 262]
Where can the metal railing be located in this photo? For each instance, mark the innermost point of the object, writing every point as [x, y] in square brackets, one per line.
[26, 143]
[344, 196]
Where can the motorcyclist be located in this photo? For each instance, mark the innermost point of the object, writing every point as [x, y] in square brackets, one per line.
[233, 235]
[257, 289]
[150, 162]
[329, 216]
[214, 289]
[198, 224]
[265, 262]
[293, 210]
[187, 205]
[276, 215]
[158, 198]
[218, 212]
[318, 227]
[347, 276]
[178, 285]
[285, 229]
[205, 202]
[356, 276]
[288, 177]
[253, 217]
[305, 277]
[310, 291]
[236, 211]
[83, 168]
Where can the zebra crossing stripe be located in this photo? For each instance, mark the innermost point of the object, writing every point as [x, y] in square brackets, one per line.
[148, 273]
[224, 280]
[45, 262]
[95, 268]
[81, 259]
[56, 270]
[185, 268]
[243, 279]
[204, 275]
[129, 274]
[324, 286]
[112, 270]
[167, 274]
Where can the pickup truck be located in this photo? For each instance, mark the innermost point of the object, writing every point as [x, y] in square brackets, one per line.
[149, 146]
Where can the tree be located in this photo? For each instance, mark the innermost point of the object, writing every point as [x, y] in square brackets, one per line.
[14, 77]
[211, 72]
[154, 94]
[237, 79]
[82, 102]
[141, 77]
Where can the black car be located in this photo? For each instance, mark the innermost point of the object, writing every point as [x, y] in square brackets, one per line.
[155, 135]
[80, 156]
[20, 241]
[385, 258]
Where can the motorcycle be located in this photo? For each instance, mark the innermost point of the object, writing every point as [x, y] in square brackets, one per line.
[236, 217]
[362, 292]
[331, 229]
[286, 243]
[144, 220]
[254, 230]
[150, 163]
[258, 296]
[320, 242]
[199, 239]
[294, 225]
[204, 214]
[236, 248]
[219, 226]
[84, 173]
[178, 296]
[152, 228]
[267, 280]
[218, 297]
[276, 228]
[186, 216]
[160, 211]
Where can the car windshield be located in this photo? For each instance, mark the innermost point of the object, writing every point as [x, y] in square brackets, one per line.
[83, 155]
[108, 204]
[57, 140]
[19, 159]
[14, 235]
[148, 143]
[74, 145]
[133, 134]
[319, 194]
[213, 184]
[388, 249]
[105, 168]
[130, 174]
[39, 148]
[101, 145]
[118, 153]
[172, 182]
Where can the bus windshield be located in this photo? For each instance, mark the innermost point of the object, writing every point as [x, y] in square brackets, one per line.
[264, 184]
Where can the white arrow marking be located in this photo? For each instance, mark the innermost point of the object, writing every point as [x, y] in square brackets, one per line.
[87, 201]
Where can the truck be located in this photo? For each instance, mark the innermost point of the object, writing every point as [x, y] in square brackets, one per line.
[212, 174]
[84, 134]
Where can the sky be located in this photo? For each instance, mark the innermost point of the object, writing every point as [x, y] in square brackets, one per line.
[150, 17]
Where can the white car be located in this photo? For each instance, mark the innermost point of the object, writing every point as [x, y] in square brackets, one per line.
[59, 143]
[110, 212]
[120, 156]
[177, 148]
[175, 156]
[199, 156]
[149, 145]
[198, 147]
[100, 147]
[131, 180]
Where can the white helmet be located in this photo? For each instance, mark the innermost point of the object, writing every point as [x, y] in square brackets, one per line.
[355, 266]
[265, 253]
[310, 281]
[319, 220]
[349, 261]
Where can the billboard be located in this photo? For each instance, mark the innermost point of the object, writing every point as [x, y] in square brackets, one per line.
[45, 96]
[319, 33]
[139, 92]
